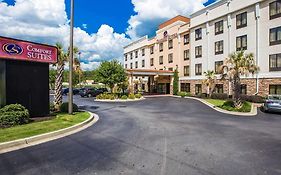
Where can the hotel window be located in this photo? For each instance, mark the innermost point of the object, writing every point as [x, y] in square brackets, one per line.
[136, 54]
[126, 57]
[275, 36]
[185, 87]
[161, 47]
[186, 55]
[218, 67]
[275, 89]
[142, 63]
[170, 44]
[186, 39]
[186, 70]
[275, 9]
[219, 27]
[131, 66]
[143, 52]
[126, 66]
[136, 64]
[275, 62]
[241, 20]
[170, 58]
[131, 55]
[170, 69]
[219, 88]
[198, 89]
[198, 34]
[151, 62]
[198, 51]
[243, 89]
[241, 43]
[198, 69]
[152, 50]
[161, 60]
[219, 47]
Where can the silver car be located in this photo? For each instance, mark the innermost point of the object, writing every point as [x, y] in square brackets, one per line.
[273, 103]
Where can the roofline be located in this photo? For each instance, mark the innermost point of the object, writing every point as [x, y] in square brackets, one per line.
[137, 41]
[167, 21]
[210, 6]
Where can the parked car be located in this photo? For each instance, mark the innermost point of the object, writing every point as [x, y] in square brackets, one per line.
[65, 91]
[272, 103]
[91, 92]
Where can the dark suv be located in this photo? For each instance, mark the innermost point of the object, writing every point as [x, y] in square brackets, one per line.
[92, 92]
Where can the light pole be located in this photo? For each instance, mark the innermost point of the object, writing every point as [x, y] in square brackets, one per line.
[70, 94]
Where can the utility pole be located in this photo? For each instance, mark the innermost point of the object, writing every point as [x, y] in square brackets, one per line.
[70, 94]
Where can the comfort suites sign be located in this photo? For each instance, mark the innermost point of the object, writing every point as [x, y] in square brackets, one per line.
[27, 51]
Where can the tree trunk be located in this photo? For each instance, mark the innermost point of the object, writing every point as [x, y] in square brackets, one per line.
[58, 86]
[236, 92]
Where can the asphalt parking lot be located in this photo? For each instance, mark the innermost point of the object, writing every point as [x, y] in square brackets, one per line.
[162, 135]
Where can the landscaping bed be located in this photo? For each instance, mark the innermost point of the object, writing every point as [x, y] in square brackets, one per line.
[228, 105]
[60, 121]
[119, 97]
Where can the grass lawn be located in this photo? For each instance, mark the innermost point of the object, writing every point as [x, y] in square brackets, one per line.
[215, 102]
[59, 122]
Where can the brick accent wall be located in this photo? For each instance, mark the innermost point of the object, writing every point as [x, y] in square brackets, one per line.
[250, 82]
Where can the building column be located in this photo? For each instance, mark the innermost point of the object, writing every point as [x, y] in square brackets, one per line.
[171, 85]
[131, 84]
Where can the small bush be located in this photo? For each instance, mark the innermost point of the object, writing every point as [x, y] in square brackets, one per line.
[184, 94]
[201, 95]
[64, 108]
[219, 96]
[106, 96]
[229, 106]
[252, 98]
[52, 107]
[124, 97]
[138, 95]
[131, 96]
[14, 114]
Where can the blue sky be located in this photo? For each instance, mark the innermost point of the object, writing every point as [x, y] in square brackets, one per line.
[102, 28]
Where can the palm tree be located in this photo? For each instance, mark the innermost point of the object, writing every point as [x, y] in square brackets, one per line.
[63, 57]
[210, 81]
[78, 69]
[238, 64]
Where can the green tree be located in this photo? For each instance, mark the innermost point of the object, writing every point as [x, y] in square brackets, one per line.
[176, 82]
[52, 78]
[110, 73]
[123, 86]
[210, 81]
[236, 65]
[63, 57]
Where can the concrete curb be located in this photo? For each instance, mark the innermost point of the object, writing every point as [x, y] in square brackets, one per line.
[253, 112]
[119, 100]
[35, 140]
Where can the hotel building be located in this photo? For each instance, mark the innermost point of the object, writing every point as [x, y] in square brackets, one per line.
[213, 34]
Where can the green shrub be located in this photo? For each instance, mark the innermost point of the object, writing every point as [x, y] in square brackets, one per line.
[219, 96]
[201, 95]
[14, 114]
[132, 96]
[52, 107]
[106, 96]
[64, 108]
[138, 95]
[124, 97]
[253, 98]
[184, 94]
[229, 106]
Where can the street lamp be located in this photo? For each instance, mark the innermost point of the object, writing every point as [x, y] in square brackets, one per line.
[70, 94]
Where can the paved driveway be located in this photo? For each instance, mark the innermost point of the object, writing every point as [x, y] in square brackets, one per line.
[164, 135]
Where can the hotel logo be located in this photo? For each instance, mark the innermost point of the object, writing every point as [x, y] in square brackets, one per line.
[12, 49]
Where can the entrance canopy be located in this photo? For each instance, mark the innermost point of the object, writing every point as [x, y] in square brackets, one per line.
[149, 72]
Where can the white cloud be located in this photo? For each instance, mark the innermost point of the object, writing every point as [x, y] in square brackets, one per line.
[85, 26]
[47, 22]
[150, 13]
